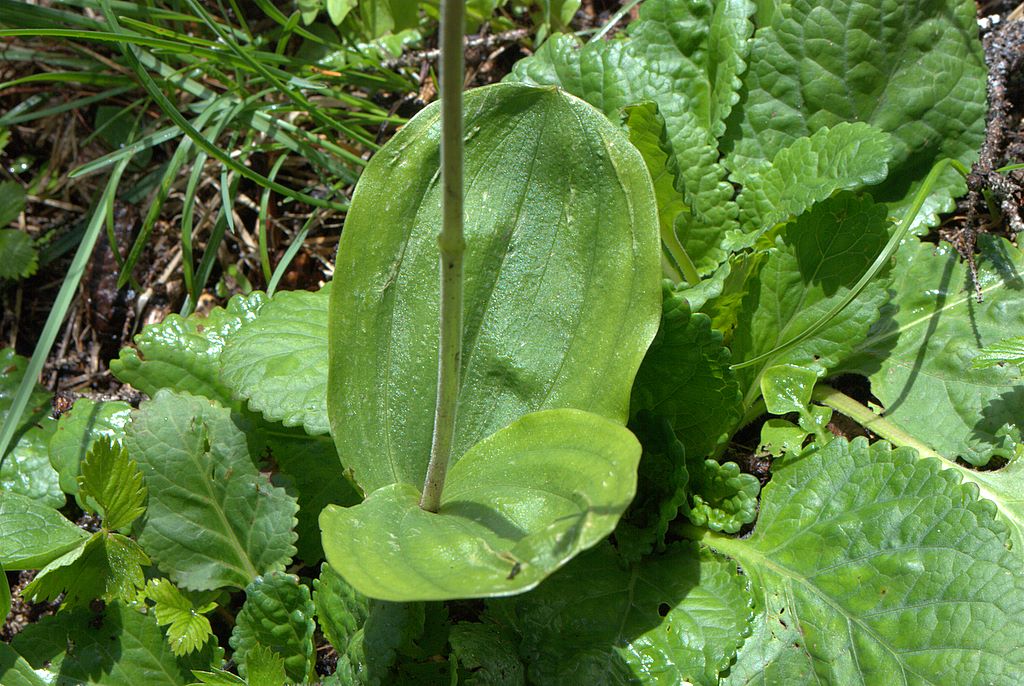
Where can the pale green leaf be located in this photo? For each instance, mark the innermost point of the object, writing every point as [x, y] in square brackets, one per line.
[114, 482]
[187, 628]
[873, 566]
[14, 670]
[723, 498]
[812, 268]
[1009, 351]
[810, 169]
[31, 534]
[277, 361]
[561, 293]
[212, 519]
[183, 353]
[265, 667]
[672, 618]
[779, 436]
[787, 388]
[486, 656]
[19, 258]
[919, 355]
[277, 614]
[337, 10]
[217, 677]
[106, 566]
[518, 505]
[914, 70]
[117, 646]
[78, 429]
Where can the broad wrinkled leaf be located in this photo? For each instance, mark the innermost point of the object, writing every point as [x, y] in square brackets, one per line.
[872, 566]
[117, 646]
[183, 353]
[685, 378]
[1004, 488]
[675, 617]
[106, 566]
[277, 614]
[919, 355]
[78, 429]
[25, 468]
[15, 670]
[31, 534]
[187, 628]
[340, 611]
[212, 519]
[277, 361]
[810, 169]
[486, 656]
[113, 481]
[561, 292]
[814, 265]
[516, 507]
[914, 70]
[723, 498]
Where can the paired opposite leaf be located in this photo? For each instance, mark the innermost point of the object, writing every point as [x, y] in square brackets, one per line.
[516, 507]
[561, 292]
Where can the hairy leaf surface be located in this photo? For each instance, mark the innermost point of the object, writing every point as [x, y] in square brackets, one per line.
[561, 290]
[212, 520]
[516, 507]
[872, 566]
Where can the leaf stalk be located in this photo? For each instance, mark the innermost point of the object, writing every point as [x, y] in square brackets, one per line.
[452, 247]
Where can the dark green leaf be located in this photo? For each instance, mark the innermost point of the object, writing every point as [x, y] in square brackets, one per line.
[486, 655]
[31, 534]
[18, 256]
[14, 670]
[107, 566]
[277, 614]
[339, 609]
[78, 429]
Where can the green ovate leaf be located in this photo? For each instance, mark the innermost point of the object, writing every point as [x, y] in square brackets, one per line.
[787, 388]
[19, 258]
[277, 361]
[77, 430]
[1009, 351]
[872, 566]
[561, 290]
[810, 169]
[686, 379]
[723, 498]
[106, 566]
[212, 520]
[687, 58]
[15, 670]
[516, 507]
[779, 436]
[25, 468]
[187, 628]
[183, 353]
[919, 355]
[31, 534]
[673, 618]
[486, 656]
[277, 614]
[914, 70]
[117, 646]
[812, 268]
[340, 611]
[114, 482]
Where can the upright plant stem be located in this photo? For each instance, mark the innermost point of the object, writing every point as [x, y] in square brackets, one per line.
[452, 245]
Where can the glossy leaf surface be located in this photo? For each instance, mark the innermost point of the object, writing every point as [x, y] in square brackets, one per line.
[516, 507]
[78, 429]
[561, 291]
[32, 534]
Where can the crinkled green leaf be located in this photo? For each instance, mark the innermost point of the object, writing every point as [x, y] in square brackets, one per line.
[25, 468]
[561, 289]
[485, 656]
[919, 355]
[813, 266]
[212, 519]
[18, 256]
[117, 646]
[675, 617]
[277, 361]
[914, 70]
[15, 670]
[32, 534]
[265, 667]
[106, 566]
[1009, 351]
[685, 377]
[309, 465]
[113, 480]
[187, 628]
[78, 429]
[183, 353]
[886, 569]
[517, 506]
[1005, 488]
[723, 498]
[340, 611]
[810, 169]
[277, 614]
[787, 388]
